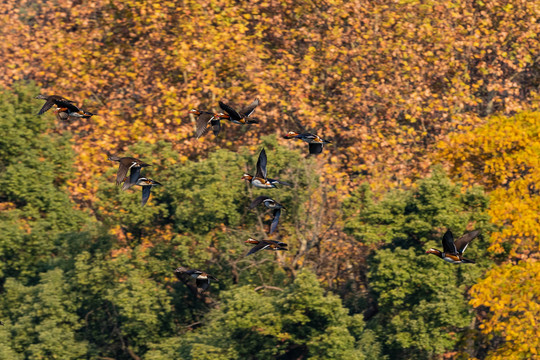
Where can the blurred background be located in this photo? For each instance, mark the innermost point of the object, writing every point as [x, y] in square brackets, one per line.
[432, 108]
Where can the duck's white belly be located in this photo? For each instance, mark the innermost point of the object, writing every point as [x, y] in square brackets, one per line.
[450, 260]
[260, 184]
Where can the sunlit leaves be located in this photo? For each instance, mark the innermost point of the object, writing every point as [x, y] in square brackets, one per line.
[380, 80]
[511, 293]
[503, 155]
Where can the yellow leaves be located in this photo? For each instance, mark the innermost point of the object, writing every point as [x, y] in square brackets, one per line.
[511, 292]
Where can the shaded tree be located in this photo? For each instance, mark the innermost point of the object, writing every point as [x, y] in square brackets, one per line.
[419, 302]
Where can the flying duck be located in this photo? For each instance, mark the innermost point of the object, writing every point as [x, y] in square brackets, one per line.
[202, 279]
[146, 185]
[239, 117]
[453, 252]
[128, 163]
[260, 179]
[315, 142]
[64, 108]
[265, 244]
[272, 205]
[65, 113]
[205, 120]
[51, 100]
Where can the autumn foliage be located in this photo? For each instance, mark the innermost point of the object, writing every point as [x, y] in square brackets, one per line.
[504, 156]
[382, 79]
[397, 86]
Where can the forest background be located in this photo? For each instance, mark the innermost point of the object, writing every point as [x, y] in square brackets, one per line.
[432, 108]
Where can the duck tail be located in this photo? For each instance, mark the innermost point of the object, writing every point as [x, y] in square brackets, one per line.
[467, 261]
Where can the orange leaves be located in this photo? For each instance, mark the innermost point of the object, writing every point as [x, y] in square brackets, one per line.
[351, 71]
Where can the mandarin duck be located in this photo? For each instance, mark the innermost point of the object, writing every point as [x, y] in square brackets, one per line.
[64, 108]
[265, 244]
[146, 185]
[272, 205]
[202, 279]
[131, 164]
[260, 179]
[315, 142]
[239, 117]
[205, 121]
[453, 251]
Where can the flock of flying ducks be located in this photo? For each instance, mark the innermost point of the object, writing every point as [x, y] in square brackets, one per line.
[66, 109]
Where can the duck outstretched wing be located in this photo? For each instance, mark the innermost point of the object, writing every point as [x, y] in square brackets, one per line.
[463, 242]
[261, 165]
[146, 194]
[248, 110]
[260, 246]
[448, 243]
[315, 148]
[229, 110]
[275, 221]
[202, 124]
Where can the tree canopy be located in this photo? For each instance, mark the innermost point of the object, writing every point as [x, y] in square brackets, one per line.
[432, 113]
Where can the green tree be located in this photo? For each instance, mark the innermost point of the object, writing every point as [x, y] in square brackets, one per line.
[300, 321]
[421, 305]
[35, 165]
[43, 320]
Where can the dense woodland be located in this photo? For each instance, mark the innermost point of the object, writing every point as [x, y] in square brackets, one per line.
[433, 110]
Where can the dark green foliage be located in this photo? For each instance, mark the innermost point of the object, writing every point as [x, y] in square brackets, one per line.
[413, 217]
[42, 319]
[34, 167]
[421, 301]
[200, 196]
[300, 322]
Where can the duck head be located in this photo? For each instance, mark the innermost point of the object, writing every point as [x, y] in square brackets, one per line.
[181, 269]
[247, 177]
[113, 158]
[290, 134]
[434, 252]
[146, 182]
[251, 241]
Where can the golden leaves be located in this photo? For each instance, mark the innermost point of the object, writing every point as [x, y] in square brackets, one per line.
[511, 292]
[503, 156]
[386, 81]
